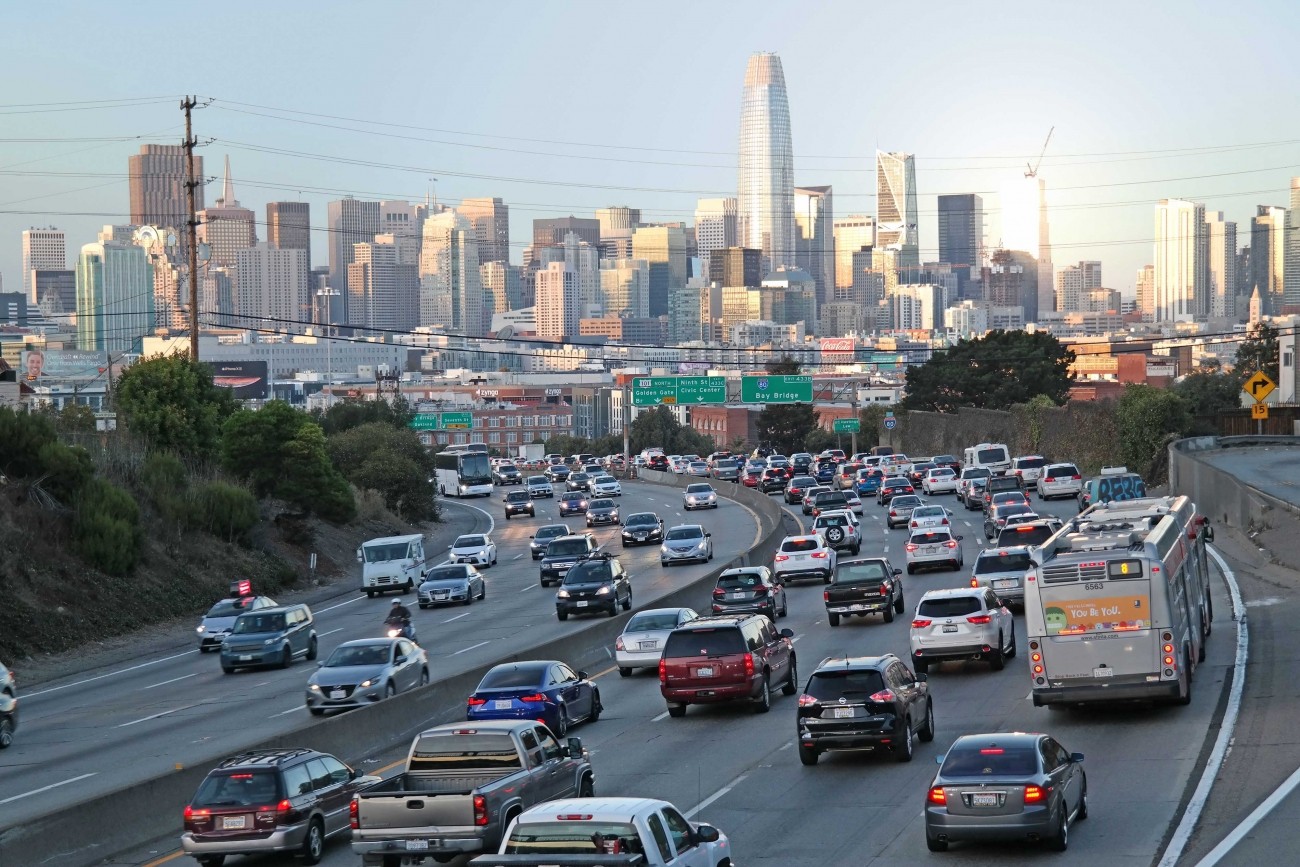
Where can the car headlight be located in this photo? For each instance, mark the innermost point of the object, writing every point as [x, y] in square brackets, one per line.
[702, 543]
[313, 687]
[604, 591]
[270, 641]
[201, 629]
[562, 594]
[365, 684]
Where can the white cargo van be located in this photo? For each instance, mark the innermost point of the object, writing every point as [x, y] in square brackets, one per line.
[994, 457]
[391, 563]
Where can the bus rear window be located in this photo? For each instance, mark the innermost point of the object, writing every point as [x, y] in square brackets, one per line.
[991, 456]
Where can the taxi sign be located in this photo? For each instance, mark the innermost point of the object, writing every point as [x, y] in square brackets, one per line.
[1259, 411]
[1259, 386]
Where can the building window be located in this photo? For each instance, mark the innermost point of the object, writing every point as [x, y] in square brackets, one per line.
[511, 437]
[494, 438]
[528, 421]
[494, 421]
[460, 439]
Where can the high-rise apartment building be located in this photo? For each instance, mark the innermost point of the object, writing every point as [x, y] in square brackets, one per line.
[715, 228]
[1146, 292]
[43, 250]
[1291, 257]
[157, 178]
[1011, 280]
[1180, 249]
[853, 234]
[814, 218]
[351, 222]
[501, 289]
[765, 180]
[897, 221]
[273, 288]
[114, 295]
[405, 222]
[559, 302]
[736, 266]
[384, 290]
[664, 247]
[1221, 265]
[226, 228]
[490, 218]
[625, 288]
[1073, 285]
[617, 221]
[451, 294]
[961, 238]
[1268, 256]
[57, 291]
[288, 226]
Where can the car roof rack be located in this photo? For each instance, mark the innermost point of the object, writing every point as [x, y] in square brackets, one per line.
[264, 757]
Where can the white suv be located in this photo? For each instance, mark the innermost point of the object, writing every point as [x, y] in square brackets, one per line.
[840, 529]
[966, 623]
[1060, 480]
[935, 546]
[804, 557]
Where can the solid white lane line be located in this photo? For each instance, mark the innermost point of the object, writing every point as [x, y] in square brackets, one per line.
[157, 715]
[173, 680]
[471, 647]
[718, 794]
[786, 746]
[516, 557]
[341, 604]
[45, 788]
[1196, 805]
[30, 695]
[284, 712]
[661, 716]
[457, 617]
[795, 640]
[529, 587]
[331, 632]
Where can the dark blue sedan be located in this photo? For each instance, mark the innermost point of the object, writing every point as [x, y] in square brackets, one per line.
[868, 483]
[825, 473]
[547, 691]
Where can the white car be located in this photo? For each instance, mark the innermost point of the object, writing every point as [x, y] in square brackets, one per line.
[940, 480]
[934, 547]
[642, 641]
[699, 495]
[964, 623]
[475, 548]
[855, 502]
[804, 557]
[686, 543]
[1028, 468]
[925, 517]
[841, 530]
[606, 486]
[1059, 480]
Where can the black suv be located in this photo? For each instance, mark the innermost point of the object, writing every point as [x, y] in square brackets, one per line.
[863, 703]
[507, 474]
[288, 800]
[862, 587]
[795, 488]
[596, 583]
[562, 553]
[773, 480]
[643, 528]
[519, 503]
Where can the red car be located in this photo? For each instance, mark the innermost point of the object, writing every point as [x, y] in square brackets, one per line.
[749, 478]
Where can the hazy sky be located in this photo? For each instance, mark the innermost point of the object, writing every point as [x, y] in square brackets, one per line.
[563, 107]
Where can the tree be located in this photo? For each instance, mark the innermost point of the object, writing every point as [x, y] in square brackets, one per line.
[391, 461]
[871, 423]
[1147, 418]
[172, 403]
[349, 414]
[1210, 393]
[658, 427]
[785, 426]
[997, 371]
[564, 444]
[21, 438]
[1259, 351]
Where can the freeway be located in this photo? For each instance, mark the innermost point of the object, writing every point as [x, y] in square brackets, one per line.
[739, 771]
[100, 730]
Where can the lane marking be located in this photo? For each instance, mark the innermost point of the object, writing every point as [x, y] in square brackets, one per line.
[471, 647]
[30, 695]
[517, 556]
[457, 617]
[173, 680]
[157, 715]
[795, 640]
[718, 794]
[46, 788]
[285, 712]
[331, 632]
[1186, 825]
[786, 746]
[661, 716]
[527, 587]
[341, 604]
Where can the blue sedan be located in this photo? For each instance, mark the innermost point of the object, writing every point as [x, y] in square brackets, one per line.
[547, 691]
[868, 484]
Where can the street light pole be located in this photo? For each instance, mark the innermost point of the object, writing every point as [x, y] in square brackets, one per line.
[329, 294]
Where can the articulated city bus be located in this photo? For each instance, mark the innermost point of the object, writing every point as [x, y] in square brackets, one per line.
[463, 471]
[1118, 605]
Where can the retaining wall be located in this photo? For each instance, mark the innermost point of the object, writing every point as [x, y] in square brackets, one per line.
[1224, 497]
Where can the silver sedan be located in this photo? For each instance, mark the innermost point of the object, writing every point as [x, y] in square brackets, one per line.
[365, 671]
[451, 582]
[642, 641]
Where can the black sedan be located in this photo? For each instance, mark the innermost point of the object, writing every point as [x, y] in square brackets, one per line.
[643, 528]
[573, 503]
[892, 487]
[602, 511]
[1006, 786]
[557, 473]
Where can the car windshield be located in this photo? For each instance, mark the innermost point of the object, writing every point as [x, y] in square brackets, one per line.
[385, 552]
[933, 537]
[645, 518]
[602, 504]
[698, 489]
[704, 642]
[579, 477]
[852, 573]
[949, 606]
[551, 532]
[460, 752]
[517, 497]
[604, 480]
[990, 761]
[230, 607]
[506, 676]
[574, 497]
[829, 497]
[740, 580]
[471, 542]
[796, 545]
[538, 481]
[567, 547]
[589, 572]
[445, 573]
[830, 685]
[677, 534]
[1003, 561]
[569, 837]
[251, 623]
[363, 654]
[651, 622]
[945, 459]
[242, 789]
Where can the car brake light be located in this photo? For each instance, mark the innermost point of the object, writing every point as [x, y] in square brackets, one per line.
[974, 583]
[913, 525]
[885, 695]
[951, 543]
[944, 522]
[806, 701]
[663, 671]
[533, 698]
[283, 810]
[819, 554]
[480, 810]
[573, 817]
[1076, 478]
[910, 547]
[618, 643]
[781, 557]
[718, 591]
[980, 618]
[475, 702]
[937, 795]
[893, 514]
[992, 751]
[749, 665]
[921, 624]
[1033, 794]
[354, 814]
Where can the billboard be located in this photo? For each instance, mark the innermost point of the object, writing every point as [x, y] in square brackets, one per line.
[44, 365]
[837, 350]
[247, 379]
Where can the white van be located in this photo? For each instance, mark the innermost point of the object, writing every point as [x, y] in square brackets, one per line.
[391, 563]
[992, 456]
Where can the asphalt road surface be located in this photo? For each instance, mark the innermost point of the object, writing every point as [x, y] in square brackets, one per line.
[739, 771]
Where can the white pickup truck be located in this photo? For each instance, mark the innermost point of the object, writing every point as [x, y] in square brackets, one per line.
[608, 832]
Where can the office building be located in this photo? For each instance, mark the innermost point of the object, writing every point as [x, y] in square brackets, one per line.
[351, 222]
[1146, 292]
[1011, 280]
[43, 250]
[1073, 283]
[664, 248]
[961, 238]
[405, 222]
[55, 291]
[115, 308]
[715, 228]
[273, 289]
[853, 234]
[288, 226]
[765, 180]
[1221, 266]
[617, 221]
[490, 219]
[14, 310]
[559, 302]
[735, 266]
[625, 288]
[814, 217]
[839, 318]
[451, 294]
[897, 221]
[384, 291]
[501, 288]
[918, 306]
[157, 178]
[1180, 272]
[550, 232]
[1291, 257]
[1268, 256]
[787, 296]
[226, 228]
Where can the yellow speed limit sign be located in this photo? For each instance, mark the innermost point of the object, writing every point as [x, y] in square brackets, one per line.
[1259, 411]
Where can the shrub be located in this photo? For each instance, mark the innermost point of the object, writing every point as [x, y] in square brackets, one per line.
[66, 469]
[106, 527]
[225, 510]
[22, 436]
[164, 480]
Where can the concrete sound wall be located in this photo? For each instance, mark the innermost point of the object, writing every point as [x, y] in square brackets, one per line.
[105, 826]
[1221, 495]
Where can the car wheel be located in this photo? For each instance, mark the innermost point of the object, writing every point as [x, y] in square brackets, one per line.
[545, 583]
[1185, 697]
[899, 604]
[936, 845]
[996, 659]
[791, 685]
[826, 578]
[562, 722]
[228, 669]
[927, 730]
[764, 702]
[586, 789]
[889, 614]
[1060, 841]
[424, 677]
[312, 648]
[785, 605]
[856, 548]
[834, 619]
[907, 749]
[6, 733]
[469, 597]
[911, 570]
[1082, 812]
[563, 615]
[422, 606]
[677, 710]
[921, 665]
[316, 711]
[389, 690]
[624, 671]
[286, 657]
[313, 848]
[808, 755]
[211, 860]
[596, 707]
[507, 516]
[1011, 651]
[370, 594]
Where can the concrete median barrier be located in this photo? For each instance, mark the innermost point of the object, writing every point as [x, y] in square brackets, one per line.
[121, 820]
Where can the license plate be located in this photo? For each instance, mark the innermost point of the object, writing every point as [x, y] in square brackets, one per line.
[417, 845]
[647, 645]
[735, 595]
[842, 712]
[1103, 672]
[233, 823]
[704, 672]
[640, 537]
[979, 800]
[582, 604]
[857, 607]
[1005, 583]
[338, 693]
[246, 657]
[441, 594]
[501, 703]
[950, 629]
[930, 550]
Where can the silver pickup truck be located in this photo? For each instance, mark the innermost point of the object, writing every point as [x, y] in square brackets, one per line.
[463, 785]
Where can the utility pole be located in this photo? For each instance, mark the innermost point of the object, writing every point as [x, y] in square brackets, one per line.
[191, 225]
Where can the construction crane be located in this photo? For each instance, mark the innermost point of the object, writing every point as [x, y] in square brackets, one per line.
[1033, 170]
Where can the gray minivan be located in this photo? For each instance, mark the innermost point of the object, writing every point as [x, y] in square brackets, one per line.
[272, 636]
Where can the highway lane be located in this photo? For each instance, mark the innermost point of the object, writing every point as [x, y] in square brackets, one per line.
[88, 735]
[739, 770]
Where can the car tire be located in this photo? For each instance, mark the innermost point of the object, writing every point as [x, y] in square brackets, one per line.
[507, 516]
[910, 569]
[791, 685]
[228, 669]
[926, 734]
[422, 606]
[764, 702]
[469, 597]
[808, 755]
[6, 733]
[313, 846]
[1059, 841]
[1011, 651]
[1082, 812]
[921, 665]
[677, 711]
[889, 614]
[899, 604]
[624, 671]
[596, 707]
[935, 845]
[996, 659]
[312, 649]
[586, 789]
[390, 690]
[907, 749]
[785, 606]
[834, 619]
[370, 594]
[562, 722]
[562, 615]
[286, 657]
[211, 860]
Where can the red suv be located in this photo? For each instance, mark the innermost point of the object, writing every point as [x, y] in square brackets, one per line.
[727, 658]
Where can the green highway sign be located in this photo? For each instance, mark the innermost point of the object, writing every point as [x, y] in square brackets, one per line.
[768, 388]
[443, 421]
[425, 421]
[847, 425]
[690, 390]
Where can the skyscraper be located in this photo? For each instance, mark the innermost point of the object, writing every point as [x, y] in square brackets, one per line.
[490, 218]
[383, 289]
[1291, 264]
[765, 181]
[114, 295]
[43, 250]
[451, 294]
[501, 289]
[961, 237]
[351, 222]
[226, 228]
[1073, 285]
[1221, 265]
[617, 221]
[158, 195]
[1179, 287]
[1146, 292]
[273, 287]
[814, 218]
[853, 234]
[288, 226]
[558, 302]
[1268, 256]
[664, 247]
[736, 266]
[625, 288]
[896, 214]
[715, 228]
[1011, 280]
[550, 232]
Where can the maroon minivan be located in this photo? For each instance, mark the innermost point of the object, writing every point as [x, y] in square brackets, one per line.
[727, 658]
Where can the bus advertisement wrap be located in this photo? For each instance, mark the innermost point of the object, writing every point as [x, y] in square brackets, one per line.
[1099, 614]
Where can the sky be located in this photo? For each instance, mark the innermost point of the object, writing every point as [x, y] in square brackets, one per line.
[563, 107]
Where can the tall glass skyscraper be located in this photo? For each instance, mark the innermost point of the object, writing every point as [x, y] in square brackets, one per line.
[766, 176]
[896, 216]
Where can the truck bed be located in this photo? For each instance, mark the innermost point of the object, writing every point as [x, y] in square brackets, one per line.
[558, 861]
[438, 784]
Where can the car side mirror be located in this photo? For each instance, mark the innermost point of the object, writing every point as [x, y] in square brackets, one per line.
[959, 538]
[1209, 534]
[706, 834]
[401, 660]
[922, 678]
[1076, 757]
[787, 633]
[320, 664]
[532, 537]
[898, 571]
[359, 559]
[938, 760]
[575, 748]
[353, 773]
[708, 535]
[582, 675]
[449, 547]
